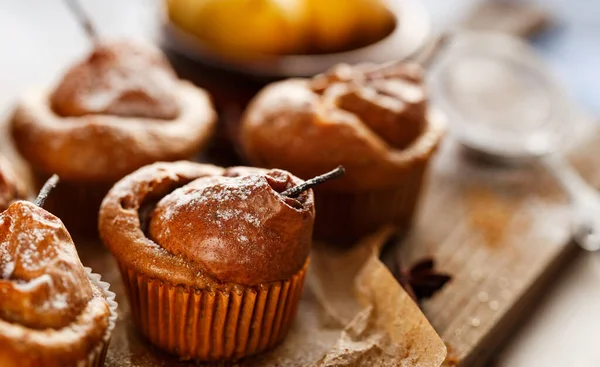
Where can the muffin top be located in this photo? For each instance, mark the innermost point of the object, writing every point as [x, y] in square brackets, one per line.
[204, 226]
[392, 101]
[120, 108]
[43, 283]
[10, 187]
[48, 304]
[373, 120]
[122, 78]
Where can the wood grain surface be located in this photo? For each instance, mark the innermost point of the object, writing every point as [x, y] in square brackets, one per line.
[503, 232]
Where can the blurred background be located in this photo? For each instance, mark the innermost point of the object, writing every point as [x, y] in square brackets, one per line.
[569, 42]
[40, 38]
[37, 36]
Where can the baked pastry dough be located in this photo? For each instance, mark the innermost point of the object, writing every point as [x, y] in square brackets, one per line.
[119, 109]
[52, 311]
[213, 259]
[373, 120]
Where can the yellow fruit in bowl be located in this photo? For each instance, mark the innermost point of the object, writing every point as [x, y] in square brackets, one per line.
[245, 28]
[242, 27]
[336, 25]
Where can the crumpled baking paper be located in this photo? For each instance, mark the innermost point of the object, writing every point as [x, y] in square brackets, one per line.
[352, 313]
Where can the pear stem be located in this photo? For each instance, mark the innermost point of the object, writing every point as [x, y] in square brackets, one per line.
[308, 184]
[45, 191]
[83, 19]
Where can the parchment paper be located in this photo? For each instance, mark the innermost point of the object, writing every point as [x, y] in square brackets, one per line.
[352, 313]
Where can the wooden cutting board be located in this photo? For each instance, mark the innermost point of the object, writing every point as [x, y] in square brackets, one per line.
[503, 233]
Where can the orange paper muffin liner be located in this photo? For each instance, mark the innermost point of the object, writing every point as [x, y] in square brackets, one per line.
[344, 217]
[212, 324]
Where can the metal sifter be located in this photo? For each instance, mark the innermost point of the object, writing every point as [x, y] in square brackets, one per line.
[503, 102]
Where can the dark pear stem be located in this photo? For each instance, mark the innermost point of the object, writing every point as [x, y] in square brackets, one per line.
[45, 191]
[308, 184]
[83, 19]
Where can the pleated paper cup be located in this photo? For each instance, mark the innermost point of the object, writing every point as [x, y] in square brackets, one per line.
[98, 354]
[212, 324]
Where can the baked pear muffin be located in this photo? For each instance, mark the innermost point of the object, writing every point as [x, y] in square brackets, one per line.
[213, 259]
[120, 108]
[374, 120]
[53, 311]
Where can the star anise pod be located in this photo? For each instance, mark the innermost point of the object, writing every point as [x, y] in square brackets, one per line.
[422, 280]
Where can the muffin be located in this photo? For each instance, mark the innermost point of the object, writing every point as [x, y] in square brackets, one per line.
[213, 259]
[53, 311]
[11, 186]
[373, 120]
[117, 110]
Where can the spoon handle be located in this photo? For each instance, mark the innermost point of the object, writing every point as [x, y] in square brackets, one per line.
[585, 202]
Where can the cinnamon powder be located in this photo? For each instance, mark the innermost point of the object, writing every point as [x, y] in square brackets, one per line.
[489, 214]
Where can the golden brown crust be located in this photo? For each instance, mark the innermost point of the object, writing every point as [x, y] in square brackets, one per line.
[121, 229]
[43, 284]
[50, 312]
[104, 147]
[239, 228]
[373, 121]
[391, 103]
[122, 78]
[121, 108]
[11, 187]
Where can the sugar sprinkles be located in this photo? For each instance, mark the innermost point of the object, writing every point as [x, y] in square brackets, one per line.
[229, 205]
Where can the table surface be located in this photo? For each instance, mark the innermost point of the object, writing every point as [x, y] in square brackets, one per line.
[567, 320]
[39, 39]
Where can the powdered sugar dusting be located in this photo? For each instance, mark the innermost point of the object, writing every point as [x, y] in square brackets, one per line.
[41, 274]
[7, 264]
[252, 219]
[235, 206]
[33, 257]
[229, 195]
[58, 301]
[235, 226]
[123, 79]
[118, 83]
